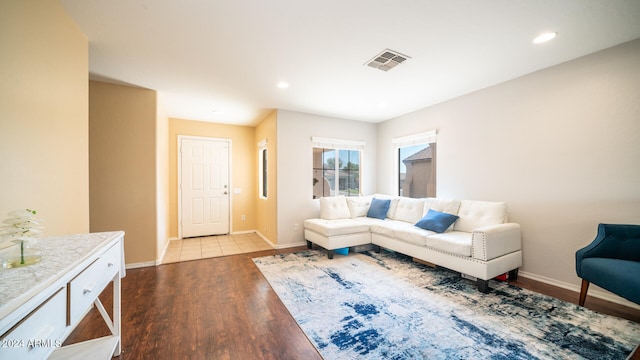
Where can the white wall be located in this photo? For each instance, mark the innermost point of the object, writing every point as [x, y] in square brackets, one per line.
[295, 166]
[561, 146]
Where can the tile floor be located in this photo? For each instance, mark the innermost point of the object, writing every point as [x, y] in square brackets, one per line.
[212, 246]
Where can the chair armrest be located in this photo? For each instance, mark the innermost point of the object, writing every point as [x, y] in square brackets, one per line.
[490, 242]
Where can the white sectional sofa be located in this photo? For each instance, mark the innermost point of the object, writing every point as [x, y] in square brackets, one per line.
[480, 243]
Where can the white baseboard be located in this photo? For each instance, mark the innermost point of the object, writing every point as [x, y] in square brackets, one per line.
[286, 246]
[598, 293]
[279, 246]
[243, 232]
[140, 265]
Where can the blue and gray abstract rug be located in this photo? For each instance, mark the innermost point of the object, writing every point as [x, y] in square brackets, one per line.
[384, 306]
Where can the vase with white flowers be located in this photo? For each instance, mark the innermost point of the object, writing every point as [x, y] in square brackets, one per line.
[22, 229]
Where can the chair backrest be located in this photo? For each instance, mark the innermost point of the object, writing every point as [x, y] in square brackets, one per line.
[618, 242]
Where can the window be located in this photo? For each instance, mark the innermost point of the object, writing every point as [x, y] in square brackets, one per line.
[416, 174]
[336, 167]
[262, 171]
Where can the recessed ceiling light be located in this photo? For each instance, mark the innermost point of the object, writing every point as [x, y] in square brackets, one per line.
[217, 112]
[544, 37]
[283, 84]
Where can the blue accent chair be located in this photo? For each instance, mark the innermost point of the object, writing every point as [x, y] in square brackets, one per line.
[612, 261]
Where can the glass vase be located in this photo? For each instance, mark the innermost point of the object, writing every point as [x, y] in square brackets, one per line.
[21, 253]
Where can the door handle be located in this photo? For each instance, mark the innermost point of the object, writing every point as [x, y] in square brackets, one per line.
[225, 193]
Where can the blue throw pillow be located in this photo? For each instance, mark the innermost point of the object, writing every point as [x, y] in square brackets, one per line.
[436, 221]
[378, 208]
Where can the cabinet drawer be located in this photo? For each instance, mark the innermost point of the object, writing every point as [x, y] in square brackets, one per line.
[38, 334]
[86, 287]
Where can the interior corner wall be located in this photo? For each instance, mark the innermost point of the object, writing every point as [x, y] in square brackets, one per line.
[561, 146]
[267, 209]
[243, 169]
[295, 166]
[44, 141]
[162, 178]
[122, 166]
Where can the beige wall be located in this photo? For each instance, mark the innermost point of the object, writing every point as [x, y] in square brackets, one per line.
[243, 169]
[122, 128]
[162, 178]
[267, 209]
[561, 146]
[43, 115]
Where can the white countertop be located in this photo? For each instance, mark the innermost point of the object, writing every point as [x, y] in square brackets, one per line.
[59, 255]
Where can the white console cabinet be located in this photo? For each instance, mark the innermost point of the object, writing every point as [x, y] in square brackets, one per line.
[41, 304]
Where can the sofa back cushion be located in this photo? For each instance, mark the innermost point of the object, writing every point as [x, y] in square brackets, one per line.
[449, 206]
[408, 209]
[474, 214]
[334, 207]
[359, 205]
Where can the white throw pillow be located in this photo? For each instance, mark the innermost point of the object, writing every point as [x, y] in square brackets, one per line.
[334, 207]
[474, 214]
[359, 205]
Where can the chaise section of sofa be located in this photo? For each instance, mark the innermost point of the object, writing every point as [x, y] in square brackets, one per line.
[468, 236]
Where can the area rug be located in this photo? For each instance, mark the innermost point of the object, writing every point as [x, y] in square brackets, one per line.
[384, 306]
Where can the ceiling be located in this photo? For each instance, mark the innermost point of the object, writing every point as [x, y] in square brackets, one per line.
[220, 60]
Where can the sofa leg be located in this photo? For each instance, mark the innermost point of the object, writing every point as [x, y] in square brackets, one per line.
[513, 274]
[309, 245]
[483, 286]
[583, 292]
[330, 254]
[376, 248]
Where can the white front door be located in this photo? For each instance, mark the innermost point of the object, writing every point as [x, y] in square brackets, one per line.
[204, 187]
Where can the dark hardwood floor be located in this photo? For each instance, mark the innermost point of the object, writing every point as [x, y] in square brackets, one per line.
[223, 308]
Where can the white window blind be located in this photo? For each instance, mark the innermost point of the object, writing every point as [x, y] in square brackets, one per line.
[415, 139]
[329, 143]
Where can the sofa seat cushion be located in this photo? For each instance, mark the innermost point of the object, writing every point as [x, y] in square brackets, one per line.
[336, 227]
[402, 231]
[454, 242]
[615, 275]
[387, 228]
[413, 235]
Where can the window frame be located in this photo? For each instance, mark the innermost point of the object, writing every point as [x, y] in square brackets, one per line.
[338, 145]
[263, 170]
[422, 138]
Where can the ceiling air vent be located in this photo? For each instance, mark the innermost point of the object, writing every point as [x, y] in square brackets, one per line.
[387, 60]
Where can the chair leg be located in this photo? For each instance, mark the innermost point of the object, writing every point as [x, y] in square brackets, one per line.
[309, 245]
[583, 292]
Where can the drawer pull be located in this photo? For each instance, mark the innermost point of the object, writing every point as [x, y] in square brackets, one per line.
[110, 264]
[88, 289]
[42, 335]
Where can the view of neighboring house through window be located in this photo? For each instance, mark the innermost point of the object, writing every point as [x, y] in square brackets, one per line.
[336, 172]
[417, 165]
